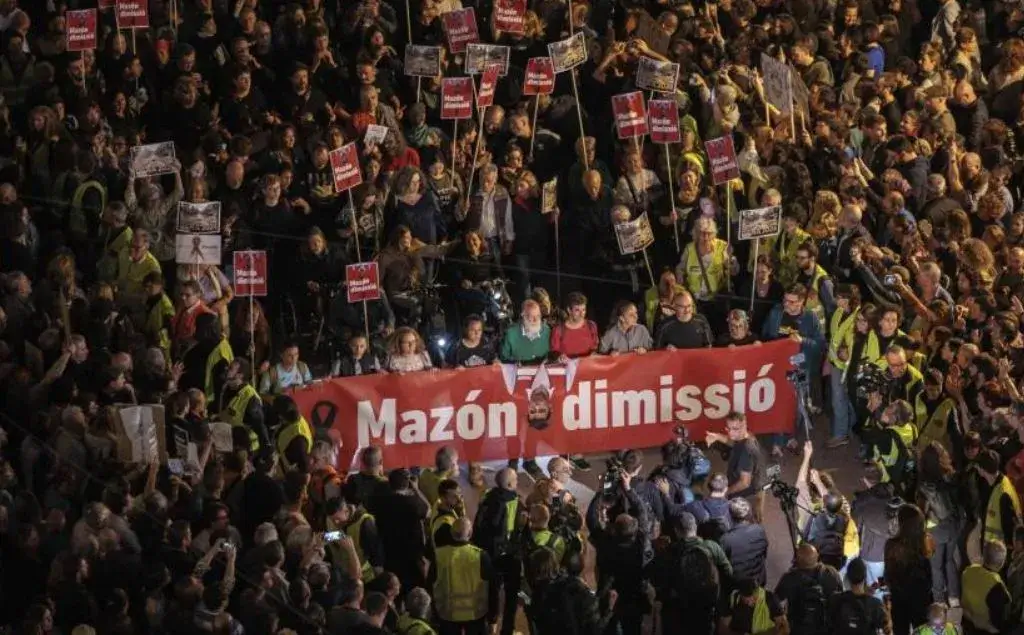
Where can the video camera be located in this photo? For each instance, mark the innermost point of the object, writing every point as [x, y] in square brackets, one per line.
[779, 488]
[681, 454]
[872, 379]
[611, 479]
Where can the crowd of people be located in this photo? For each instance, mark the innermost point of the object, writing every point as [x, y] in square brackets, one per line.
[898, 268]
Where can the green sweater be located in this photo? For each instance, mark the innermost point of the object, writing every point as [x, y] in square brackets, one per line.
[516, 348]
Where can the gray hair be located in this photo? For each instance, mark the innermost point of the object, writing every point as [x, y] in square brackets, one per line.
[488, 170]
[993, 555]
[705, 223]
[264, 534]
[417, 604]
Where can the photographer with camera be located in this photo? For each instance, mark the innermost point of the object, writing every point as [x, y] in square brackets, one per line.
[712, 511]
[682, 464]
[623, 552]
[893, 447]
[746, 469]
[905, 381]
[623, 490]
[498, 529]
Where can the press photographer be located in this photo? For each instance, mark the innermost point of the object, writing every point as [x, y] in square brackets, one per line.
[623, 491]
[683, 463]
[892, 448]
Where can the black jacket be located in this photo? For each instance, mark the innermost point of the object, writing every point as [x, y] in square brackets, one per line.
[869, 510]
[746, 544]
[566, 606]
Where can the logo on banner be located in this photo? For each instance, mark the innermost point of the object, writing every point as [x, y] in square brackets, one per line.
[456, 98]
[362, 281]
[488, 83]
[81, 30]
[664, 117]
[540, 77]
[132, 14]
[250, 273]
[460, 29]
[722, 158]
[510, 16]
[630, 118]
[541, 390]
[345, 166]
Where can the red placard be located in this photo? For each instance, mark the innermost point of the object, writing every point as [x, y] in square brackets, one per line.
[457, 98]
[630, 118]
[722, 159]
[488, 82]
[540, 77]
[362, 281]
[345, 165]
[80, 30]
[250, 273]
[664, 117]
[132, 14]
[605, 403]
[460, 29]
[510, 16]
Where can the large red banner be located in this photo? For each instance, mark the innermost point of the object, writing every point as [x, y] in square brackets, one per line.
[596, 405]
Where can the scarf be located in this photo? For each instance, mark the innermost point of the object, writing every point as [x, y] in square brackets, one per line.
[417, 136]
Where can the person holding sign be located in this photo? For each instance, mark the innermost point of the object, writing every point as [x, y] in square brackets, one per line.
[706, 264]
[533, 232]
[489, 212]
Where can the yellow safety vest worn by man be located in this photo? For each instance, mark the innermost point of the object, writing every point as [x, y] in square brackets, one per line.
[977, 583]
[717, 269]
[901, 439]
[442, 518]
[933, 420]
[158, 322]
[234, 413]
[785, 247]
[355, 531]
[412, 626]
[289, 433]
[460, 588]
[114, 240]
[993, 512]
[761, 621]
[813, 299]
[80, 219]
[222, 353]
[545, 539]
[841, 325]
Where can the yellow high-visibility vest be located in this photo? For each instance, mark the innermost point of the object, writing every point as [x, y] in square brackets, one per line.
[354, 531]
[993, 515]
[288, 434]
[717, 269]
[460, 595]
[221, 353]
[840, 325]
[234, 413]
[934, 426]
[977, 582]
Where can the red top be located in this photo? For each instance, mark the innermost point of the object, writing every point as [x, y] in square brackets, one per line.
[576, 342]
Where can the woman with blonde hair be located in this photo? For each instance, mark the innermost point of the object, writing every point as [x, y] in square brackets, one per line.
[976, 256]
[707, 262]
[658, 300]
[406, 352]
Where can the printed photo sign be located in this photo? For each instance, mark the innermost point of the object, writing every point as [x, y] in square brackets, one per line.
[480, 57]
[250, 273]
[722, 158]
[488, 83]
[362, 281]
[549, 196]
[80, 33]
[540, 77]
[457, 98]
[661, 77]
[375, 134]
[569, 53]
[153, 160]
[663, 115]
[422, 61]
[460, 29]
[630, 117]
[778, 83]
[345, 166]
[199, 218]
[760, 222]
[509, 16]
[132, 14]
[634, 235]
[197, 249]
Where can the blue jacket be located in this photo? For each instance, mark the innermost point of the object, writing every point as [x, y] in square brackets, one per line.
[810, 330]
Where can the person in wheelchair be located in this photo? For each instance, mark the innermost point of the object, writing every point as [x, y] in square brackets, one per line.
[319, 266]
[401, 270]
[472, 266]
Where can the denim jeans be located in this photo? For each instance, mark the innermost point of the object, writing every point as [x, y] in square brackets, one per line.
[842, 409]
[945, 561]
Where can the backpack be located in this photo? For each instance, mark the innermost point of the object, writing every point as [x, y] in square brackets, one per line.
[940, 503]
[698, 575]
[850, 616]
[831, 540]
[810, 607]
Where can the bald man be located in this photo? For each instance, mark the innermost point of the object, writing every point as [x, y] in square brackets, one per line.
[461, 581]
[807, 589]
[500, 521]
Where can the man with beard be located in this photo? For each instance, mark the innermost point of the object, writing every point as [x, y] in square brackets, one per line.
[495, 131]
[305, 105]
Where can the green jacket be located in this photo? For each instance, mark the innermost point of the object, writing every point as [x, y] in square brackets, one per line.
[516, 348]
